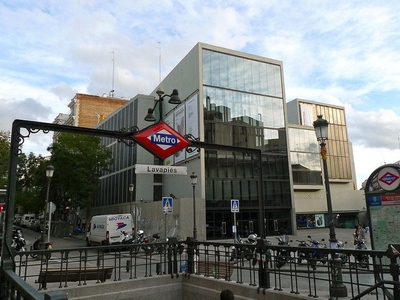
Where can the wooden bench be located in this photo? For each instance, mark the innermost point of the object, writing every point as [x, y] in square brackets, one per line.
[219, 269]
[101, 274]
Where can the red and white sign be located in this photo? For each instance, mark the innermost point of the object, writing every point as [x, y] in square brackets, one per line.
[161, 140]
[389, 179]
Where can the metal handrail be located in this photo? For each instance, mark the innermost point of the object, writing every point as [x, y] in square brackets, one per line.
[260, 266]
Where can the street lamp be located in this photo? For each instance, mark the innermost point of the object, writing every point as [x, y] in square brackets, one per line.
[49, 175]
[174, 99]
[193, 179]
[337, 288]
[131, 188]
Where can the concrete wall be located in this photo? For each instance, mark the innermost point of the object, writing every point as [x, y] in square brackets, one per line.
[176, 288]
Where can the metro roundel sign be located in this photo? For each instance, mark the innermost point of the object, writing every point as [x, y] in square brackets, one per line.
[161, 140]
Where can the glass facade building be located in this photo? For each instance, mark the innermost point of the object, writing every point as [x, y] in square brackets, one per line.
[244, 107]
[307, 169]
[240, 103]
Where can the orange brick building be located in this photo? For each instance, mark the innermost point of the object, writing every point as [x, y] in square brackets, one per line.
[89, 110]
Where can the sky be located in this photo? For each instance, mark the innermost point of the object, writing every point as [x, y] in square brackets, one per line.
[345, 53]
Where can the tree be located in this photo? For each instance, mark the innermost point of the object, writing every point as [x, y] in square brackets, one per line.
[4, 156]
[31, 184]
[79, 160]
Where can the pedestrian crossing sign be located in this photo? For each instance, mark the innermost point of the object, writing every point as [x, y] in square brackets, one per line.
[167, 205]
[234, 205]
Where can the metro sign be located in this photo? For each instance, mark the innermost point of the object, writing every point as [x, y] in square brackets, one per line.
[388, 178]
[161, 140]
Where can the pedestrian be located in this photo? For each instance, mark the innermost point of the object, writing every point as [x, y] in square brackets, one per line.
[226, 295]
[359, 234]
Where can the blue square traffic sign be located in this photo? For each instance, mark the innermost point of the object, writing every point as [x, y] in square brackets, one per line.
[167, 205]
[234, 205]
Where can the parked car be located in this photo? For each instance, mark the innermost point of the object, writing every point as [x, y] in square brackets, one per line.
[26, 220]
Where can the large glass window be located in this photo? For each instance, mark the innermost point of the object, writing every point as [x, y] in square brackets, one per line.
[305, 157]
[243, 107]
[237, 73]
[248, 109]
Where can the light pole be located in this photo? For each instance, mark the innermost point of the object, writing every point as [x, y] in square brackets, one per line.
[193, 179]
[131, 188]
[174, 99]
[49, 175]
[337, 288]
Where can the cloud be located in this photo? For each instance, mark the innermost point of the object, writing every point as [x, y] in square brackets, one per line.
[341, 53]
[27, 109]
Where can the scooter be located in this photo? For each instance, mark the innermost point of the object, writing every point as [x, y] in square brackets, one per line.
[363, 259]
[156, 239]
[18, 242]
[342, 256]
[283, 255]
[244, 252]
[302, 255]
[126, 238]
[317, 256]
[36, 246]
[143, 241]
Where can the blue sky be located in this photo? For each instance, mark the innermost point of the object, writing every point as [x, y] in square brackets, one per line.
[344, 53]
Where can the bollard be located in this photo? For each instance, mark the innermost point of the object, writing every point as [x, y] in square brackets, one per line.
[337, 288]
[263, 270]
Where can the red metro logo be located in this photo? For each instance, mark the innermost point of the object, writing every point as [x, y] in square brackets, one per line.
[161, 140]
[388, 178]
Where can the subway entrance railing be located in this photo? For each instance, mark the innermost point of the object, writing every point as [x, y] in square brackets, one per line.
[366, 274]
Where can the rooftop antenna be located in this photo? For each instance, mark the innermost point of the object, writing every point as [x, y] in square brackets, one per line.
[159, 62]
[112, 83]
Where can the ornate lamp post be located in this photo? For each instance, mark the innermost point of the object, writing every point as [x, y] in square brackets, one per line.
[174, 99]
[193, 179]
[49, 175]
[337, 288]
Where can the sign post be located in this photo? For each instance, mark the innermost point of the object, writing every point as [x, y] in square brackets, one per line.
[234, 210]
[51, 208]
[167, 209]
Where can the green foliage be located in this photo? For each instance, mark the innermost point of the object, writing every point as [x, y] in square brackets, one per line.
[4, 157]
[79, 161]
[31, 182]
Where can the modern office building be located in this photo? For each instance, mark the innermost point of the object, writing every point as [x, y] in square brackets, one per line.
[236, 100]
[308, 181]
[229, 98]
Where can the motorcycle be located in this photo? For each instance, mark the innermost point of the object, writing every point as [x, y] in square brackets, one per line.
[126, 238]
[156, 239]
[143, 241]
[36, 246]
[18, 242]
[342, 256]
[363, 259]
[302, 255]
[283, 255]
[316, 256]
[244, 252]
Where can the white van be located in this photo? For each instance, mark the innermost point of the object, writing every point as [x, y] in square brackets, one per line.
[27, 219]
[106, 229]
